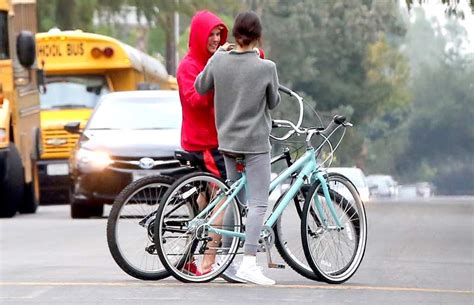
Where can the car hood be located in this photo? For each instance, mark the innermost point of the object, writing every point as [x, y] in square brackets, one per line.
[133, 143]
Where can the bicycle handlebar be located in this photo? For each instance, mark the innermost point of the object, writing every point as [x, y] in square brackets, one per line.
[300, 118]
[336, 122]
[284, 89]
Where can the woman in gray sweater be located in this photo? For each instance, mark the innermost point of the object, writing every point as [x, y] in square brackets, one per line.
[245, 89]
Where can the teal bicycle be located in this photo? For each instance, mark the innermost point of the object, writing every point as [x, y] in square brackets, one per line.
[200, 219]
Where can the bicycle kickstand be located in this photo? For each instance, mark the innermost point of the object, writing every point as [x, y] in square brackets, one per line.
[271, 264]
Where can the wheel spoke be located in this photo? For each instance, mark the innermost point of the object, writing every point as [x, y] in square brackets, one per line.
[130, 228]
[183, 239]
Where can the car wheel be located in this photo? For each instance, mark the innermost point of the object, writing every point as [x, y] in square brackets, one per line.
[11, 189]
[30, 201]
[82, 211]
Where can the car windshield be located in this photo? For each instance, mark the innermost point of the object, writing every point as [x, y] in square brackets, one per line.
[137, 113]
[381, 180]
[73, 91]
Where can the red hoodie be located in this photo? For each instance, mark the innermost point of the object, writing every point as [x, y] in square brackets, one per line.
[198, 131]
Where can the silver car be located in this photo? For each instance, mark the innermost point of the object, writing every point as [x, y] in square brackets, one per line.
[382, 186]
[129, 135]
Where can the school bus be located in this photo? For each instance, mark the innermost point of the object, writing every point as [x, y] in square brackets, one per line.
[79, 68]
[19, 108]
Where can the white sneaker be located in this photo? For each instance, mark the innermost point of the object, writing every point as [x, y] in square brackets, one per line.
[253, 273]
[230, 274]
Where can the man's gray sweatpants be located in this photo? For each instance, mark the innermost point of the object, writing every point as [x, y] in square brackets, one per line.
[257, 169]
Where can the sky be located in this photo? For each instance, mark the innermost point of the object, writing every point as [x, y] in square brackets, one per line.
[435, 9]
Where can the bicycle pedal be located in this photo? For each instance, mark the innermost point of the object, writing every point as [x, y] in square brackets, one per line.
[276, 266]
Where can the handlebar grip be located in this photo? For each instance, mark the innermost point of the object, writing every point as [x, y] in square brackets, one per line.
[339, 119]
[284, 89]
[336, 121]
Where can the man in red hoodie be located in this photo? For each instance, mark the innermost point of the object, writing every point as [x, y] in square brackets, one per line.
[198, 130]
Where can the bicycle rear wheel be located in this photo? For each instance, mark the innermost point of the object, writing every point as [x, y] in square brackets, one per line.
[288, 237]
[334, 255]
[130, 228]
[187, 247]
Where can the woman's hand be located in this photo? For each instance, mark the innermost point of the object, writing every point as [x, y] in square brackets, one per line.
[228, 46]
[260, 52]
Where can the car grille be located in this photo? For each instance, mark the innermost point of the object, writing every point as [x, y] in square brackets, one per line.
[57, 143]
[122, 163]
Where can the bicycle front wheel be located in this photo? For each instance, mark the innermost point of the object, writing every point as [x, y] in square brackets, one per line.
[188, 246]
[130, 228]
[334, 253]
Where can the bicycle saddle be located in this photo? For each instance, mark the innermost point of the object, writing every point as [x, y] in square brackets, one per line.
[185, 157]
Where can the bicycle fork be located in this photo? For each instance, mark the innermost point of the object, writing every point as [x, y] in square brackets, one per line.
[329, 203]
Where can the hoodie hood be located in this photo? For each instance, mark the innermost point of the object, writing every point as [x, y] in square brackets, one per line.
[202, 24]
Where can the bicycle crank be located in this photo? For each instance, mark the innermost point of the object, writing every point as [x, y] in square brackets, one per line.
[266, 241]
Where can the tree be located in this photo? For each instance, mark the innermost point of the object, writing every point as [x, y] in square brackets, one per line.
[451, 6]
[66, 14]
[436, 143]
[325, 47]
[74, 14]
[163, 12]
[343, 55]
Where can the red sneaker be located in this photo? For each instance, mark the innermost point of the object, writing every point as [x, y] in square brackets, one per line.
[191, 269]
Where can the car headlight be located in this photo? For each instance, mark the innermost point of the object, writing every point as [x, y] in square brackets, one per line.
[88, 160]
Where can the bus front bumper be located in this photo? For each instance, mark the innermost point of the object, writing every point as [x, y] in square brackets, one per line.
[54, 181]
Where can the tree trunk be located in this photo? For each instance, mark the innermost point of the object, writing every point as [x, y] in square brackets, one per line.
[65, 14]
[142, 39]
[170, 44]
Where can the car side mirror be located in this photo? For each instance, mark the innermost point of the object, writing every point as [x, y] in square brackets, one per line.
[73, 127]
[26, 48]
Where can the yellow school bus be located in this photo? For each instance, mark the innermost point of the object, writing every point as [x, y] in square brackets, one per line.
[78, 69]
[19, 108]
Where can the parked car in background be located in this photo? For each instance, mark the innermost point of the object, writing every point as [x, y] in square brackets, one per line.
[357, 177]
[424, 189]
[382, 186]
[129, 135]
[416, 190]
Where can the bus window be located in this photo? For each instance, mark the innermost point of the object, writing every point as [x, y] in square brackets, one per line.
[4, 53]
[73, 91]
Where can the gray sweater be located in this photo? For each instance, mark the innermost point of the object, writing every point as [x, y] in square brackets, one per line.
[245, 89]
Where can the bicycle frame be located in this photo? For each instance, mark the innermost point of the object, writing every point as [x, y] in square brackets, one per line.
[306, 167]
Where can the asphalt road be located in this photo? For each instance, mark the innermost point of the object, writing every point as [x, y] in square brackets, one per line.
[419, 252]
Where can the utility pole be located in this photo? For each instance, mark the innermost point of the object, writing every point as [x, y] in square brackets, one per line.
[176, 36]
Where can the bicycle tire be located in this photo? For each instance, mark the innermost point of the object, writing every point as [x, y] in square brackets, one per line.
[131, 250]
[287, 242]
[353, 236]
[182, 238]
